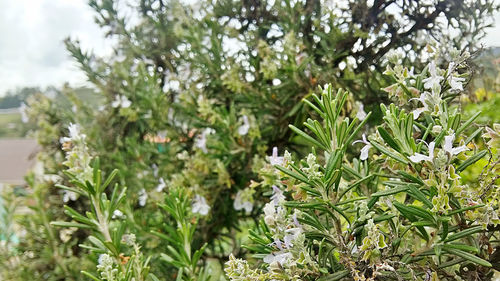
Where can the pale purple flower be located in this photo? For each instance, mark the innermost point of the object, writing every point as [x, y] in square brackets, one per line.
[365, 149]
[200, 205]
[448, 145]
[274, 159]
[417, 157]
[243, 129]
[281, 257]
[292, 235]
[277, 196]
[277, 243]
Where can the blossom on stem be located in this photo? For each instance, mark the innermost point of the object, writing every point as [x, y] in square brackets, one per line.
[74, 134]
[365, 149]
[201, 141]
[281, 257]
[200, 205]
[121, 101]
[361, 114]
[117, 214]
[448, 145]
[161, 185]
[417, 157]
[277, 196]
[454, 81]
[244, 200]
[69, 195]
[423, 98]
[143, 197]
[243, 129]
[274, 159]
[434, 81]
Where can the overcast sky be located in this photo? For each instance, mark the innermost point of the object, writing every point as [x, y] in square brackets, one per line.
[31, 48]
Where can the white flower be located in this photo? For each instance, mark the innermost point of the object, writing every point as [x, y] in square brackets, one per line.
[423, 99]
[200, 205]
[270, 213]
[117, 214]
[121, 101]
[448, 145]
[129, 239]
[161, 185]
[277, 196]
[417, 157]
[455, 82]
[51, 178]
[24, 115]
[433, 82]
[69, 195]
[241, 202]
[281, 257]
[201, 141]
[274, 159]
[365, 149]
[155, 170]
[74, 134]
[143, 197]
[243, 129]
[361, 114]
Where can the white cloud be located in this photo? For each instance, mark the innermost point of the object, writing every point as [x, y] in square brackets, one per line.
[32, 52]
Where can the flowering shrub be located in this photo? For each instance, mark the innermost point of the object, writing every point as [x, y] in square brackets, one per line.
[397, 210]
[218, 177]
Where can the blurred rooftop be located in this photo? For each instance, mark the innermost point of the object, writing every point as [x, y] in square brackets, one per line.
[16, 158]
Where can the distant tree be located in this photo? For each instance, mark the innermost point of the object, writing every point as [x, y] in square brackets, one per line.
[14, 98]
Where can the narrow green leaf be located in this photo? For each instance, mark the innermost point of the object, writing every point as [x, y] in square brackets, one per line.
[467, 256]
[473, 136]
[464, 233]
[388, 138]
[467, 123]
[390, 191]
[69, 224]
[89, 275]
[465, 209]
[473, 159]
[307, 137]
[335, 276]
[387, 152]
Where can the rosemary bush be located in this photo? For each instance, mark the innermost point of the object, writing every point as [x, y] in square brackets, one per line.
[187, 169]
